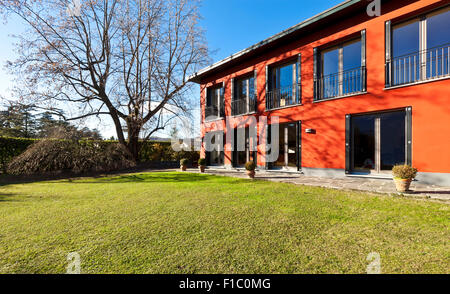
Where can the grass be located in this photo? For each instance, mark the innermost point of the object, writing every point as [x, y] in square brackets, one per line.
[194, 223]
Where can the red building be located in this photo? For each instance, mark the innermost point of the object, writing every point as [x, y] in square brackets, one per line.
[355, 94]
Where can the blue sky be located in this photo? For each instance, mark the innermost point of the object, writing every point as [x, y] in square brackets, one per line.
[231, 25]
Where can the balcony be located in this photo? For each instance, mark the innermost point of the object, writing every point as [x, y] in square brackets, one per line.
[425, 65]
[340, 84]
[240, 106]
[283, 97]
[214, 112]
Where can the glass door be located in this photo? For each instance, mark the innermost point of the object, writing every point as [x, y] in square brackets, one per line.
[363, 130]
[289, 147]
[214, 142]
[242, 147]
[378, 141]
[392, 140]
[281, 161]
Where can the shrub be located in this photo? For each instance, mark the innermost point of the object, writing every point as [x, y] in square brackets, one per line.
[150, 151]
[162, 151]
[12, 147]
[57, 155]
[250, 165]
[404, 172]
[202, 161]
[184, 162]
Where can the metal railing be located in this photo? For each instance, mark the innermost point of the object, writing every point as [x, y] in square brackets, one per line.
[341, 84]
[240, 106]
[214, 112]
[283, 97]
[424, 65]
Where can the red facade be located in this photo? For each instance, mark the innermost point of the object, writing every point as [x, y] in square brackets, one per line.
[336, 124]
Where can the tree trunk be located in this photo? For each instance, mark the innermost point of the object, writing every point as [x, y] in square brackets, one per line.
[133, 147]
[133, 141]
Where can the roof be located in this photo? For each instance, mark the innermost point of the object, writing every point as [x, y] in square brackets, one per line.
[278, 38]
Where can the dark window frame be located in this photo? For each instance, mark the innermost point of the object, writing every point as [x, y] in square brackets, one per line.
[298, 133]
[250, 104]
[274, 96]
[218, 113]
[418, 72]
[221, 151]
[355, 78]
[349, 135]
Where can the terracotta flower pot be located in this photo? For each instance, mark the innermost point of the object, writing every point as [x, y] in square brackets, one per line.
[402, 185]
[184, 167]
[202, 168]
[251, 174]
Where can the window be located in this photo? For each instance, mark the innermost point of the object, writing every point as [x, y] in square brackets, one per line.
[215, 106]
[418, 49]
[244, 97]
[283, 76]
[438, 47]
[341, 71]
[406, 39]
[283, 85]
[405, 50]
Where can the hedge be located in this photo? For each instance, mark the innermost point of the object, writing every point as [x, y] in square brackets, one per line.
[162, 151]
[150, 152]
[12, 147]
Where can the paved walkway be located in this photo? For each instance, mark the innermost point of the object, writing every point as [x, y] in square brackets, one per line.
[385, 186]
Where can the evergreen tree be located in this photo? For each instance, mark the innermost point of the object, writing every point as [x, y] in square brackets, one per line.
[17, 121]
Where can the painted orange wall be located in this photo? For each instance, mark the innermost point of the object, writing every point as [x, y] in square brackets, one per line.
[430, 101]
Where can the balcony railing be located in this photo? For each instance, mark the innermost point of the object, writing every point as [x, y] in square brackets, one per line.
[240, 106]
[214, 112]
[424, 65]
[282, 97]
[341, 84]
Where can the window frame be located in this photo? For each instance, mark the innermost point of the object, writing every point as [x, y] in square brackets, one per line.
[277, 68]
[340, 47]
[296, 91]
[349, 141]
[248, 79]
[220, 152]
[423, 48]
[219, 90]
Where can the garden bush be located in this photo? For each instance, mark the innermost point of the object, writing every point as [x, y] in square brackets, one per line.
[250, 165]
[162, 151]
[404, 171]
[184, 162]
[59, 155]
[150, 152]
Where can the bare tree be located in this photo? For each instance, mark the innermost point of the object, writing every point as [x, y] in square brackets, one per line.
[127, 59]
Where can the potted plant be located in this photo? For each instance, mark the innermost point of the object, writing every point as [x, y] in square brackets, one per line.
[403, 175]
[250, 166]
[202, 164]
[183, 164]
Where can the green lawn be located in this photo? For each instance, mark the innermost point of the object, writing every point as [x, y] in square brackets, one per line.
[192, 223]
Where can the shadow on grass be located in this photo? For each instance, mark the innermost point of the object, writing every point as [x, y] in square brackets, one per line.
[276, 177]
[6, 197]
[429, 192]
[158, 176]
[147, 178]
[6, 180]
